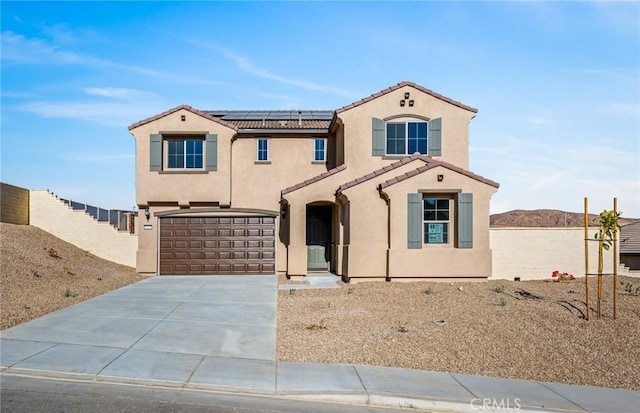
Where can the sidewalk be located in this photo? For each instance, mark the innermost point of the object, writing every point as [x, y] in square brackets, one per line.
[219, 334]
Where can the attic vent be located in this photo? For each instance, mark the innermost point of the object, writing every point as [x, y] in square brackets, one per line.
[282, 122]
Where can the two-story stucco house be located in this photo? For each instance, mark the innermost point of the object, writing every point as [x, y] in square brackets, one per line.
[378, 189]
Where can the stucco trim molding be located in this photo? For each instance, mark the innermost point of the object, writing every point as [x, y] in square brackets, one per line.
[217, 211]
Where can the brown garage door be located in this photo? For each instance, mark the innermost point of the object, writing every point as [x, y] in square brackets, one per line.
[217, 245]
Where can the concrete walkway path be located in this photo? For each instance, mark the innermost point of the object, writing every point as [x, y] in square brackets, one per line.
[219, 334]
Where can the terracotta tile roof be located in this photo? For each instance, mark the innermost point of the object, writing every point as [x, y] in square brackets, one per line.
[281, 124]
[428, 164]
[314, 179]
[375, 173]
[415, 86]
[181, 107]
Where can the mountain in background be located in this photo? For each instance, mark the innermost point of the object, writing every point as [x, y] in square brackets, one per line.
[548, 218]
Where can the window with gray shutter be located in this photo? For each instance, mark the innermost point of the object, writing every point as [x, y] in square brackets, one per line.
[414, 218]
[435, 137]
[378, 137]
[211, 152]
[465, 220]
[155, 152]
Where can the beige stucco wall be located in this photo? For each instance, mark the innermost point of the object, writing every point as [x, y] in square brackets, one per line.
[438, 261]
[358, 127]
[183, 187]
[76, 227]
[14, 204]
[241, 182]
[534, 253]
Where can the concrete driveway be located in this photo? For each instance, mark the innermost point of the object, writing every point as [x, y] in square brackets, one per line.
[205, 330]
[219, 333]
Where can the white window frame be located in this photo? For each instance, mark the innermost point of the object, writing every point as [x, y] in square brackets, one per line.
[426, 222]
[324, 150]
[406, 122]
[184, 140]
[258, 140]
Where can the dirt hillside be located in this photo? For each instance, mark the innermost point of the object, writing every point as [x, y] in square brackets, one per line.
[40, 273]
[547, 218]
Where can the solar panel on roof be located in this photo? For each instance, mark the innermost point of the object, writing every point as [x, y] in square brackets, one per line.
[322, 115]
[235, 115]
[279, 115]
[255, 115]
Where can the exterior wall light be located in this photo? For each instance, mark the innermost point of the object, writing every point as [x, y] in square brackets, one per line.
[402, 103]
[440, 178]
[147, 214]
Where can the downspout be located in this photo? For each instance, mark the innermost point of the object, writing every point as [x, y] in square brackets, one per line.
[387, 201]
[284, 214]
[233, 139]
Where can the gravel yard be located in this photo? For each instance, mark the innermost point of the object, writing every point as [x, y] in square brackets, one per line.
[529, 330]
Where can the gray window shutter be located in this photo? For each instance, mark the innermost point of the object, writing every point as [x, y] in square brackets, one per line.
[155, 151]
[435, 137]
[414, 229]
[465, 221]
[211, 153]
[378, 137]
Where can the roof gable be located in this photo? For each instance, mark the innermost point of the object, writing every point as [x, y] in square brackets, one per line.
[429, 163]
[401, 85]
[314, 179]
[178, 108]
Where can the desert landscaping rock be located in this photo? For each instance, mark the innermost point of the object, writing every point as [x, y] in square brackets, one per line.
[397, 325]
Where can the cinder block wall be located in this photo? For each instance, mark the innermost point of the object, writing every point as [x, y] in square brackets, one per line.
[76, 227]
[534, 253]
[14, 204]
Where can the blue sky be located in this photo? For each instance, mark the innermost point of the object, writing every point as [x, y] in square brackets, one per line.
[557, 84]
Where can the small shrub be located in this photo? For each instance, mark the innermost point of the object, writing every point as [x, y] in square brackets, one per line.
[402, 328]
[498, 289]
[630, 289]
[52, 252]
[428, 291]
[350, 289]
[292, 291]
[69, 293]
[503, 301]
[35, 274]
[314, 326]
[68, 270]
[562, 276]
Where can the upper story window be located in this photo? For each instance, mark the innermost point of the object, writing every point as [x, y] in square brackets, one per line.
[262, 149]
[319, 153]
[185, 153]
[406, 138]
[436, 220]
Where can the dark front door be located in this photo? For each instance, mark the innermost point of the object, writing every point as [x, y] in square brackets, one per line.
[318, 237]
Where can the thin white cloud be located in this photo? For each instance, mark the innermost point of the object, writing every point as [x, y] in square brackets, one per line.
[117, 92]
[108, 113]
[19, 49]
[247, 66]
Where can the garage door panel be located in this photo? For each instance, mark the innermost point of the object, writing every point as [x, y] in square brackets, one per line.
[217, 245]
